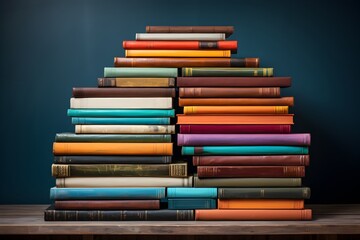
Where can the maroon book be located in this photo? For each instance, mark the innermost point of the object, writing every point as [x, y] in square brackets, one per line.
[234, 128]
[107, 204]
[122, 92]
[233, 81]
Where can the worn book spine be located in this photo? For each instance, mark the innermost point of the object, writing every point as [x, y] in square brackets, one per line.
[234, 92]
[253, 214]
[260, 204]
[178, 53]
[119, 170]
[114, 72]
[107, 204]
[282, 101]
[181, 45]
[93, 159]
[220, 110]
[89, 148]
[122, 92]
[293, 139]
[233, 81]
[146, 113]
[227, 72]
[124, 129]
[191, 203]
[180, 36]
[180, 62]
[266, 160]
[272, 193]
[129, 103]
[175, 192]
[136, 82]
[234, 129]
[228, 30]
[120, 121]
[125, 138]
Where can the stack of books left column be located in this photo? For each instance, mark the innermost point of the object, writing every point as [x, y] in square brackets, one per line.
[118, 162]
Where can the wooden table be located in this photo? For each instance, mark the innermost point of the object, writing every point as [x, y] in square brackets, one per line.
[329, 220]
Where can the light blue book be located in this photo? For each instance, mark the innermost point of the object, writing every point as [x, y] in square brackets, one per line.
[191, 203]
[243, 150]
[184, 192]
[126, 121]
[121, 112]
[106, 193]
[140, 72]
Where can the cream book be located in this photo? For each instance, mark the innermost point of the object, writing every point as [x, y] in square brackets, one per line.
[181, 36]
[120, 129]
[129, 103]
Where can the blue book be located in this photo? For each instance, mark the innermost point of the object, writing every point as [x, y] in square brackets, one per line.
[243, 150]
[107, 193]
[121, 112]
[191, 203]
[185, 192]
[112, 121]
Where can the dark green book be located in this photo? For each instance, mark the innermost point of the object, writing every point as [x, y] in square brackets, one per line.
[92, 159]
[264, 193]
[124, 138]
[191, 203]
[227, 72]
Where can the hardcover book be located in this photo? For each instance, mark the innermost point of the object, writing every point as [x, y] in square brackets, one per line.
[114, 72]
[234, 129]
[181, 45]
[178, 53]
[136, 82]
[227, 72]
[260, 204]
[233, 110]
[120, 121]
[125, 138]
[234, 92]
[228, 30]
[282, 101]
[255, 193]
[106, 159]
[107, 204]
[122, 92]
[191, 203]
[121, 113]
[180, 36]
[124, 129]
[174, 192]
[233, 81]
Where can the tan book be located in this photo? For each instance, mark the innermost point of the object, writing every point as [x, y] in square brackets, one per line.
[136, 82]
[120, 129]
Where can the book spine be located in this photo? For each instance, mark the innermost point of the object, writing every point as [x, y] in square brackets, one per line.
[191, 110]
[147, 113]
[122, 92]
[233, 81]
[247, 182]
[264, 193]
[113, 72]
[228, 30]
[125, 138]
[124, 129]
[136, 82]
[178, 53]
[234, 129]
[91, 159]
[180, 36]
[191, 192]
[107, 204]
[181, 45]
[283, 101]
[210, 92]
[227, 72]
[192, 203]
[127, 121]
[236, 119]
[260, 204]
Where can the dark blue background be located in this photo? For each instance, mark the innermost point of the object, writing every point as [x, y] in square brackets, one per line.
[48, 47]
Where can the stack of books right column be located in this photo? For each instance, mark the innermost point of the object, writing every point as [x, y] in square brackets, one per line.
[237, 128]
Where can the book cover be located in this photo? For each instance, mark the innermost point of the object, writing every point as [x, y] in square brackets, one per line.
[124, 129]
[282, 101]
[120, 121]
[122, 92]
[136, 82]
[244, 150]
[234, 92]
[106, 159]
[180, 36]
[233, 81]
[260, 204]
[106, 204]
[121, 113]
[125, 138]
[273, 193]
[176, 192]
[228, 30]
[234, 129]
[227, 72]
[191, 203]
[233, 110]
[114, 72]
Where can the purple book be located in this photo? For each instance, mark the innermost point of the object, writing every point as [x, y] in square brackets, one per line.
[301, 139]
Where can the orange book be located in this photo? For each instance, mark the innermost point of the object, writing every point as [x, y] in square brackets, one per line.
[189, 110]
[260, 204]
[91, 148]
[282, 101]
[177, 53]
[250, 215]
[235, 119]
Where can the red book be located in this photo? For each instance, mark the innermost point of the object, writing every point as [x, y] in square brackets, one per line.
[234, 128]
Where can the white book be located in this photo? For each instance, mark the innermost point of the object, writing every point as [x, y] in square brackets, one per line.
[124, 129]
[181, 36]
[128, 103]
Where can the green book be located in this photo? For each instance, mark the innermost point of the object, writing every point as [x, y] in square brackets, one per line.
[140, 72]
[264, 193]
[125, 138]
[227, 72]
[243, 150]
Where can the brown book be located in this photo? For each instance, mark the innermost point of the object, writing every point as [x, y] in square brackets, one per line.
[266, 160]
[185, 62]
[107, 204]
[253, 214]
[233, 81]
[250, 171]
[283, 101]
[260, 204]
[233, 92]
[228, 30]
[136, 82]
[122, 92]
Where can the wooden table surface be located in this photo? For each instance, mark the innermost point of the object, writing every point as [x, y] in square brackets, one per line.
[328, 219]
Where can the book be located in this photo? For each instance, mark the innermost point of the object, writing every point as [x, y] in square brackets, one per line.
[250, 171]
[233, 81]
[117, 182]
[227, 72]
[106, 159]
[273, 193]
[234, 129]
[147, 113]
[125, 129]
[107, 193]
[106, 204]
[246, 182]
[260, 204]
[90, 148]
[122, 92]
[253, 214]
[51, 214]
[180, 36]
[181, 45]
[114, 72]
[129, 103]
[191, 203]
[125, 138]
[181, 192]
[234, 92]
[180, 62]
[221, 110]
[120, 121]
[236, 119]
[266, 160]
[178, 53]
[119, 170]
[136, 82]
[243, 150]
[294, 139]
[228, 30]
[282, 101]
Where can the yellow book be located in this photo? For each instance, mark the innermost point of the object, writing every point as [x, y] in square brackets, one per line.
[177, 53]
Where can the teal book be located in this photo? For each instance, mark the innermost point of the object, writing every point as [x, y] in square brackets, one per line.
[184, 192]
[126, 121]
[243, 150]
[125, 138]
[107, 193]
[140, 72]
[191, 203]
[147, 113]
